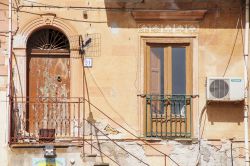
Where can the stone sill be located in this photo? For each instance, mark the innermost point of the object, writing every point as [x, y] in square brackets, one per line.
[79, 144]
[42, 145]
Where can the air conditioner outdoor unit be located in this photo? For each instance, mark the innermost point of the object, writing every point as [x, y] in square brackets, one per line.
[225, 89]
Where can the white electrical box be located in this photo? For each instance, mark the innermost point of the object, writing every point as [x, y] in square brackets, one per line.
[225, 89]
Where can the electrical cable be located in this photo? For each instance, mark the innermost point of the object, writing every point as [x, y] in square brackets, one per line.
[16, 3]
[4, 4]
[166, 155]
[63, 18]
[128, 9]
[121, 9]
[107, 101]
[234, 43]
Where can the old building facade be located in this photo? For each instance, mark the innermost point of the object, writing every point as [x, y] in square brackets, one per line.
[123, 82]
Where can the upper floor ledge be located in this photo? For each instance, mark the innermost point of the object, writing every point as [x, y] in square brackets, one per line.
[171, 15]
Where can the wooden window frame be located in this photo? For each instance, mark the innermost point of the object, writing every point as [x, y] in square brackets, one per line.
[191, 74]
[194, 70]
[169, 41]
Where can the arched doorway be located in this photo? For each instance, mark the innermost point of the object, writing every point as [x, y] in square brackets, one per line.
[48, 83]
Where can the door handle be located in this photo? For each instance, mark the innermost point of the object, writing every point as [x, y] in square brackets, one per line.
[59, 78]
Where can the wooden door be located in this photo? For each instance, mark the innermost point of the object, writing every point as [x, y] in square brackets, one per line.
[48, 90]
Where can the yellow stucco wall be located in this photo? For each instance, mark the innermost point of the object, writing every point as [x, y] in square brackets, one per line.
[117, 75]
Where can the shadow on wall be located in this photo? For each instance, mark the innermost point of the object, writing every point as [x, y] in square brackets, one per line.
[118, 15]
[221, 14]
[225, 112]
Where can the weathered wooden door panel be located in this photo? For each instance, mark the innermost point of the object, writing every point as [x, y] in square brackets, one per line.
[48, 90]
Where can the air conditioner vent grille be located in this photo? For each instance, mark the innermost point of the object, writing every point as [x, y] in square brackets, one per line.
[224, 89]
[219, 88]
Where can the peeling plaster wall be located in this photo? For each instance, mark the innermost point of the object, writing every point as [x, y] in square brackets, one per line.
[211, 153]
[184, 153]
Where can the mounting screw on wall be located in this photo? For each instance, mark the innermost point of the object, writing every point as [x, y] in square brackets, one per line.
[85, 15]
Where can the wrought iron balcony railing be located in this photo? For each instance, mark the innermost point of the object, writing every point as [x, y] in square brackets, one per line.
[168, 116]
[46, 119]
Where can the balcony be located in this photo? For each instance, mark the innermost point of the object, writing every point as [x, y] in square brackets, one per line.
[168, 116]
[46, 119]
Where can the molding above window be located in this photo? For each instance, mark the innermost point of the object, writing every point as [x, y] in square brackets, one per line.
[172, 15]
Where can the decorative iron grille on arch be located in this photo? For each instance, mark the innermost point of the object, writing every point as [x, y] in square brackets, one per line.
[48, 39]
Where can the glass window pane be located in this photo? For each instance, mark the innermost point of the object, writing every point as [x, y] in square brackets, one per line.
[178, 80]
[179, 70]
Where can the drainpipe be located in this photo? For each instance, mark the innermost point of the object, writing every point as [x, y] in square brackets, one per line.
[246, 50]
[10, 67]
